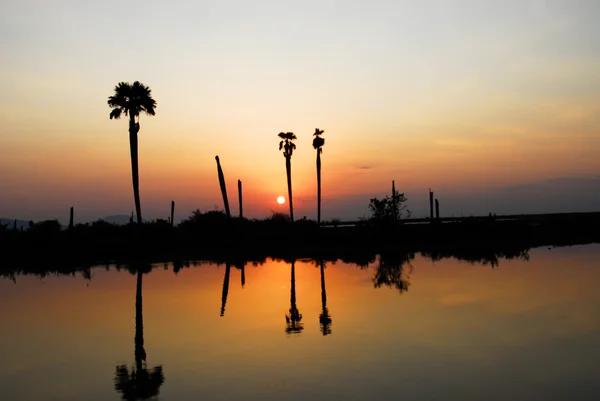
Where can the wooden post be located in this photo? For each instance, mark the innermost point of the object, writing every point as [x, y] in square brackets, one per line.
[223, 187]
[240, 198]
[71, 219]
[172, 212]
[437, 209]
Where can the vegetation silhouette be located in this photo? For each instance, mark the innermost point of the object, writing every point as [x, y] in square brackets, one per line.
[139, 383]
[288, 149]
[211, 235]
[293, 320]
[131, 100]
[324, 318]
[318, 142]
[389, 211]
[391, 271]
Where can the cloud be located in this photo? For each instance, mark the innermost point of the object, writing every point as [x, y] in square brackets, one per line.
[364, 167]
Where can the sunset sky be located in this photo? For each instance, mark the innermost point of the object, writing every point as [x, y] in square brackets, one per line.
[495, 105]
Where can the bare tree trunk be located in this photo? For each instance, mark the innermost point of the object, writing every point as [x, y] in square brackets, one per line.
[172, 213]
[133, 147]
[223, 187]
[430, 206]
[71, 219]
[288, 170]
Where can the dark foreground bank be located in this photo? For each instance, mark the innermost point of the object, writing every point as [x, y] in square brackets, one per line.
[239, 240]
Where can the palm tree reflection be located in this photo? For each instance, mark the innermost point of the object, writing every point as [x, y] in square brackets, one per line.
[324, 318]
[140, 383]
[293, 320]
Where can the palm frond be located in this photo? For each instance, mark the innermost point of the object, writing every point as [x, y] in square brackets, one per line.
[318, 132]
[280, 145]
[115, 113]
[132, 99]
[287, 135]
[318, 142]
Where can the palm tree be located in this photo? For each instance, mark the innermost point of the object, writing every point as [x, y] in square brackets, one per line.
[318, 143]
[288, 148]
[294, 319]
[132, 100]
[324, 317]
[139, 384]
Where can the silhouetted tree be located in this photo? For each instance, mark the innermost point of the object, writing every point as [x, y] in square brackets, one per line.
[389, 209]
[132, 100]
[288, 149]
[318, 143]
[140, 383]
[294, 318]
[324, 317]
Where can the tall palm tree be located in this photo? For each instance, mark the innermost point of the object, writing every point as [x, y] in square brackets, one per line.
[132, 100]
[139, 384]
[288, 148]
[294, 318]
[318, 143]
[324, 317]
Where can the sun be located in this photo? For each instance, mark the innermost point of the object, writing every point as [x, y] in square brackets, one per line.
[280, 200]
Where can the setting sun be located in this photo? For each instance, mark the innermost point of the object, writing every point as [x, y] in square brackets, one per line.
[280, 200]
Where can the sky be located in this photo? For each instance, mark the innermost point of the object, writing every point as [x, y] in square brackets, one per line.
[495, 105]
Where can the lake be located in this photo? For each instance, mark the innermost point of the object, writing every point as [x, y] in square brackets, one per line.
[442, 330]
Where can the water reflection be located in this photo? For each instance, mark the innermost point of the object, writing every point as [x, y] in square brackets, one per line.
[293, 320]
[392, 271]
[225, 290]
[528, 330]
[324, 317]
[139, 383]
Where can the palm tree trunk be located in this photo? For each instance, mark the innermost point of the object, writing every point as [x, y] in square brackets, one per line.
[133, 147]
[319, 186]
[288, 170]
[140, 352]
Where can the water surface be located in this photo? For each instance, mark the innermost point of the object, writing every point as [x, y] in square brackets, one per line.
[444, 330]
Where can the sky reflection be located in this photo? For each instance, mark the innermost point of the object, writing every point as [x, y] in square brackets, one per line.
[523, 330]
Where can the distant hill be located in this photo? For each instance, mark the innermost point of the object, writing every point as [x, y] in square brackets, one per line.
[119, 219]
[10, 223]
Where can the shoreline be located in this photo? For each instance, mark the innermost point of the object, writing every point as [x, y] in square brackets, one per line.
[238, 241]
